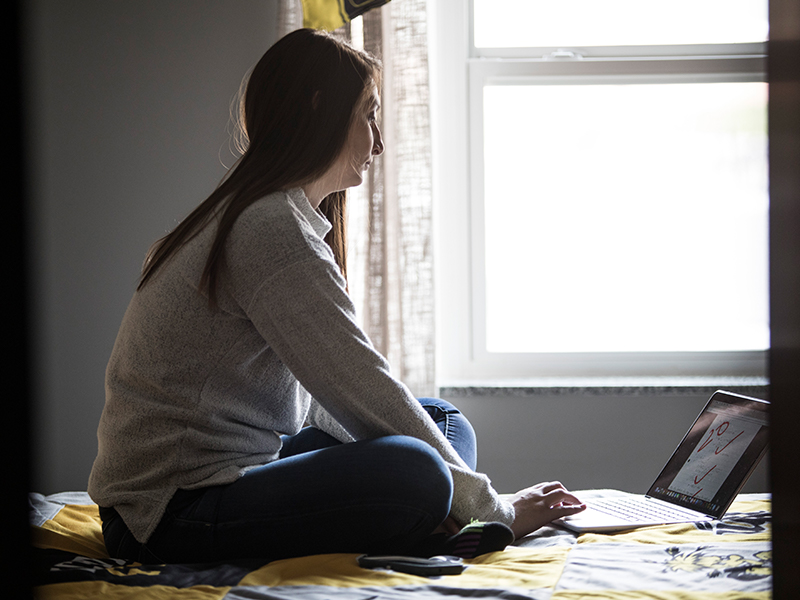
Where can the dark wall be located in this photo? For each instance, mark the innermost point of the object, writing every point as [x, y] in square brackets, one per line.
[784, 135]
[128, 108]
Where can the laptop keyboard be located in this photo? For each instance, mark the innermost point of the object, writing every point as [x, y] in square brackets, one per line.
[634, 510]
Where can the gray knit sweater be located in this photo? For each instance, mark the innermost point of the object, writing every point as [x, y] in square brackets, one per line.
[195, 396]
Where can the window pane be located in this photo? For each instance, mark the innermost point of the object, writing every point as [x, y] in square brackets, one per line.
[626, 217]
[525, 23]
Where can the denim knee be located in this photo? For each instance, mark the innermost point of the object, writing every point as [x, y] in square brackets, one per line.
[455, 427]
[442, 405]
[419, 474]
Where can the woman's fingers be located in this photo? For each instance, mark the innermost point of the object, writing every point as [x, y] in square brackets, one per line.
[540, 504]
[558, 497]
[550, 486]
[561, 497]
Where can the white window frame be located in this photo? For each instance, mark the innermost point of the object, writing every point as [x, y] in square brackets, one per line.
[458, 74]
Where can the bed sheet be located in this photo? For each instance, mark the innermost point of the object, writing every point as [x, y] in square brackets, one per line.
[725, 560]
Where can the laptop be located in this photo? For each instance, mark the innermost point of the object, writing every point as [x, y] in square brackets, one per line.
[702, 477]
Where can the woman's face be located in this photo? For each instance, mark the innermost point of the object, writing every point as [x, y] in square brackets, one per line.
[364, 142]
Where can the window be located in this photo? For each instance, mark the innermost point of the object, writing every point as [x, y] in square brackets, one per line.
[614, 188]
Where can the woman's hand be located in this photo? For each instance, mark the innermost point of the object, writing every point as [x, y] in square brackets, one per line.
[539, 504]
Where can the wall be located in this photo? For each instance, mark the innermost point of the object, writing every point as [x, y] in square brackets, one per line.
[128, 105]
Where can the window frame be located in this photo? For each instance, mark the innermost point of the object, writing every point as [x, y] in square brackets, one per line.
[457, 118]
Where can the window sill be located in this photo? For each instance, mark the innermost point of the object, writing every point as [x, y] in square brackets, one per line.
[611, 386]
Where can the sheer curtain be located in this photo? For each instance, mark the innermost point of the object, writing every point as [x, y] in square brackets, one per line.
[390, 260]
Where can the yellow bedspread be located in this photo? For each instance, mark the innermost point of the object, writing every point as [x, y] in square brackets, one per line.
[727, 560]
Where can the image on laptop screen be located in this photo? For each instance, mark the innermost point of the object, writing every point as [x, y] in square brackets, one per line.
[722, 447]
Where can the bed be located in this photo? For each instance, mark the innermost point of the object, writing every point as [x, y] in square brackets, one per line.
[726, 560]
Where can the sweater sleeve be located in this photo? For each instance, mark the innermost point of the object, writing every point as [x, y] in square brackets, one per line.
[321, 419]
[301, 308]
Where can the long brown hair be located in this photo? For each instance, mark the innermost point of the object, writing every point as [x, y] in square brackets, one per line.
[295, 115]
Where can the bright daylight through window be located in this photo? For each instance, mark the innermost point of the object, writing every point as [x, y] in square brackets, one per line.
[622, 178]
[539, 23]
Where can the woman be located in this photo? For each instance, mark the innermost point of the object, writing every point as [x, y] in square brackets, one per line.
[241, 332]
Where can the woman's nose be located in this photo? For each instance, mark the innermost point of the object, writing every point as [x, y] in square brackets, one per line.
[377, 145]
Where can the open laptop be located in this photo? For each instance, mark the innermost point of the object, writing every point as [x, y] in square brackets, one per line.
[702, 477]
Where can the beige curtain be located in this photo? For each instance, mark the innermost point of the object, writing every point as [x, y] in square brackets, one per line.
[390, 258]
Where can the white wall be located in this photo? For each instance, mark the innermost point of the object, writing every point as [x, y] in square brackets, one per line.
[128, 108]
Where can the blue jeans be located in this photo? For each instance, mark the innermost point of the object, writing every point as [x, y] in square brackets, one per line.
[385, 495]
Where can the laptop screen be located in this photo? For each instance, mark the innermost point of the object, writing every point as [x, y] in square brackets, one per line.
[716, 456]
